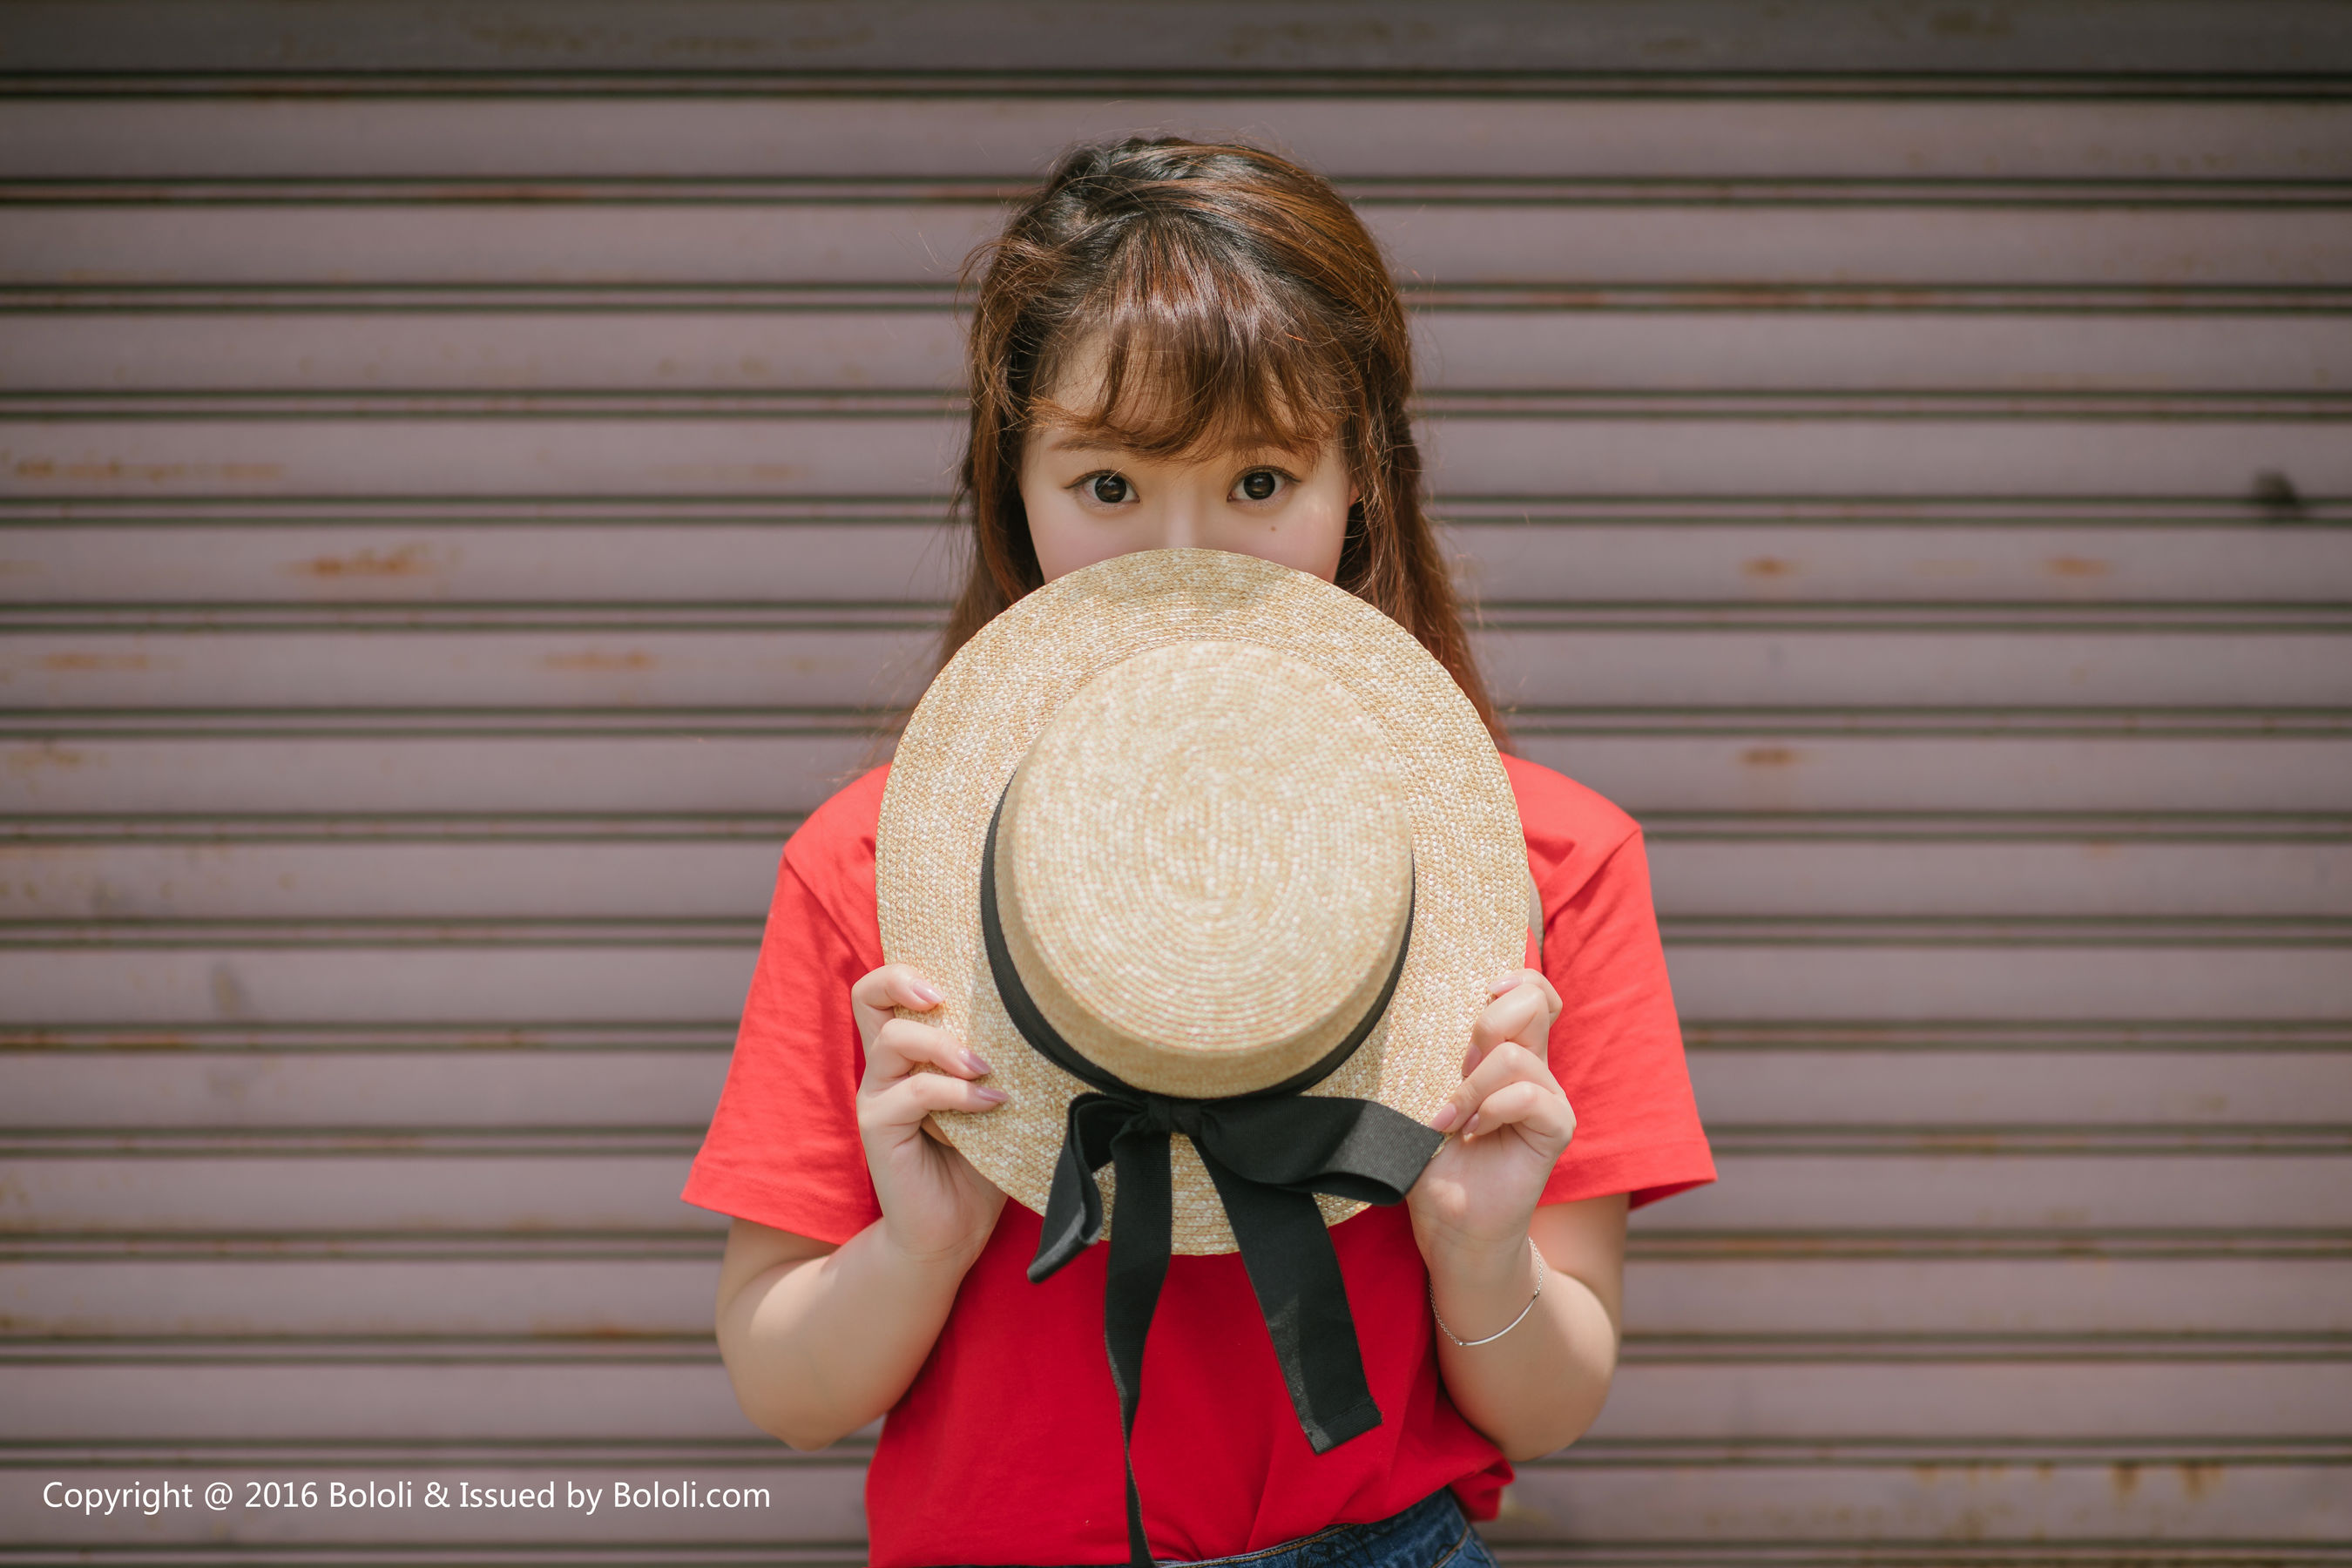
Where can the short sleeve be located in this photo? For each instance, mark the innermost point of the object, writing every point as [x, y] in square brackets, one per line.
[1617, 1048]
[782, 1149]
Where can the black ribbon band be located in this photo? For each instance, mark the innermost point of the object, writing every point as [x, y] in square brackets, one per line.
[1268, 1153]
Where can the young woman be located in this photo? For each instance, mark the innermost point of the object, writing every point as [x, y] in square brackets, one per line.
[1189, 345]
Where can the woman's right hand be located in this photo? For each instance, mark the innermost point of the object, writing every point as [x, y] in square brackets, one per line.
[935, 1206]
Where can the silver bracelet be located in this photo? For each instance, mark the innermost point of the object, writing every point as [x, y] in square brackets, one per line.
[1541, 1268]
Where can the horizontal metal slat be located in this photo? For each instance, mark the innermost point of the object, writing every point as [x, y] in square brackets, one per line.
[1916, 1087]
[789, 768]
[670, 246]
[1437, 404]
[1860, 352]
[581, 879]
[646, 1397]
[1929, 1087]
[686, 766]
[2028, 976]
[611, 1400]
[1993, 771]
[1922, 666]
[1631, 295]
[847, 662]
[907, 456]
[1902, 563]
[1992, 1508]
[2093, 1302]
[1885, 1195]
[2051, 1400]
[603, 1299]
[476, 351]
[870, 243]
[289, 875]
[440, 561]
[839, 136]
[597, 45]
[477, 1088]
[353, 1193]
[1924, 456]
[340, 1186]
[825, 662]
[1894, 243]
[691, 980]
[311, 978]
[1980, 1300]
[850, 350]
[1983, 876]
[420, 560]
[895, 455]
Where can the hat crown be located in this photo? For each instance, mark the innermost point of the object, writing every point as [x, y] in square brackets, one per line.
[984, 714]
[1204, 868]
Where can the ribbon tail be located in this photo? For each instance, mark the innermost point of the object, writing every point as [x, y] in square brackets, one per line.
[1138, 1267]
[1074, 1207]
[1286, 1248]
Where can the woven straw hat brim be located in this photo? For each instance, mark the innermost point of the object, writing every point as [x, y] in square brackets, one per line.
[986, 709]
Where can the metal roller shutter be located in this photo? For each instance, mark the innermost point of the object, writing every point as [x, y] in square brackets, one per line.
[469, 474]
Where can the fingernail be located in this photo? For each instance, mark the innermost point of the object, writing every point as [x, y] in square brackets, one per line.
[1472, 1127]
[929, 992]
[1495, 987]
[1444, 1117]
[988, 1096]
[974, 1065]
[1470, 1061]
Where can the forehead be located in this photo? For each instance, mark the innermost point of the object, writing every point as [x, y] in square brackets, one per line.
[1063, 437]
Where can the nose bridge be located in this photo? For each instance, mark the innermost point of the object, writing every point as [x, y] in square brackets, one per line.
[1182, 523]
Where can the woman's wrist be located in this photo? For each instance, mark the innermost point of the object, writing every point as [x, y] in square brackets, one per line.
[1535, 1293]
[1477, 1288]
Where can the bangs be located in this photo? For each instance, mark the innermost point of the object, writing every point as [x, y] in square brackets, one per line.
[1177, 350]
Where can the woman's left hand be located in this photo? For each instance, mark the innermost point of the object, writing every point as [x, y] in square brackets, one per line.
[1509, 1119]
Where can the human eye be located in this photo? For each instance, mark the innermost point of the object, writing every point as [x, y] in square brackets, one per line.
[1106, 488]
[1260, 485]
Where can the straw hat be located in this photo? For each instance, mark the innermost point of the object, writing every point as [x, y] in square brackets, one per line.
[1222, 795]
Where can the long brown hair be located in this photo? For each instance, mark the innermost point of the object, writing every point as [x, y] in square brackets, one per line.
[1238, 300]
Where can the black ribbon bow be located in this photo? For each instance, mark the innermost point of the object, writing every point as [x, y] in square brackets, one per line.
[1268, 1153]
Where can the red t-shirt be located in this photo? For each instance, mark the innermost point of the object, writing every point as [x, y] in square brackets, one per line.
[1006, 1448]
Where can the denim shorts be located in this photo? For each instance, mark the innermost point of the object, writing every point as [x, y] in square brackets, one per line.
[1432, 1533]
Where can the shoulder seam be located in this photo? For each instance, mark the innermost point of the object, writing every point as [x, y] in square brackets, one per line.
[1616, 847]
[848, 938]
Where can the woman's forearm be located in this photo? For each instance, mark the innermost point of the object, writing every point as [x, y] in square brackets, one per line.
[1538, 1387]
[817, 1346]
